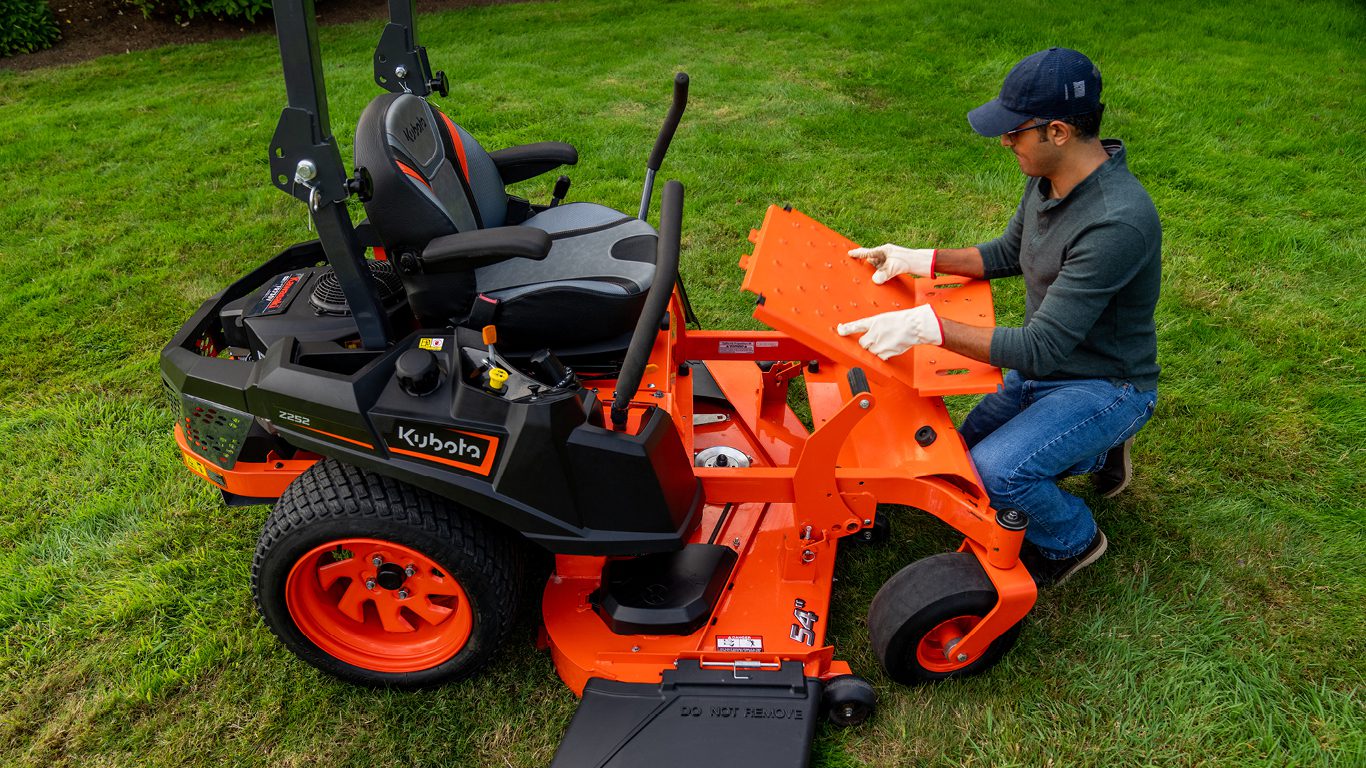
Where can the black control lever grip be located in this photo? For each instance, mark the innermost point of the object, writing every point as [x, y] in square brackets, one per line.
[666, 134]
[561, 189]
[656, 302]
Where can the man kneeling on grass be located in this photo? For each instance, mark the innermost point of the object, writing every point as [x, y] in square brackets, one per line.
[1083, 376]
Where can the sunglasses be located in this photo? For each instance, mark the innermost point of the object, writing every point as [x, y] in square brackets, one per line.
[1018, 131]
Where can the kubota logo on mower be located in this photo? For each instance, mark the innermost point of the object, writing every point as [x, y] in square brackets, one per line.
[459, 448]
[416, 129]
[804, 631]
[463, 450]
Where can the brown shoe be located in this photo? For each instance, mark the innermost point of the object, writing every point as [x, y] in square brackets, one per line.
[1114, 477]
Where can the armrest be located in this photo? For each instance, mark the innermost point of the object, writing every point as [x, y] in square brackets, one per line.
[529, 160]
[464, 251]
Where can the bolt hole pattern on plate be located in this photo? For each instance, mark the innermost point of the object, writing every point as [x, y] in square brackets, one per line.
[797, 261]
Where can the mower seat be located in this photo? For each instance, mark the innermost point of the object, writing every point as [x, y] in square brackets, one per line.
[433, 184]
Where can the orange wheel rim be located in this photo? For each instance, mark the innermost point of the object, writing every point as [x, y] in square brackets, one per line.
[934, 651]
[378, 605]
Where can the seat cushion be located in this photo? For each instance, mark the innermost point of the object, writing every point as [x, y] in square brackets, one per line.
[590, 286]
[431, 179]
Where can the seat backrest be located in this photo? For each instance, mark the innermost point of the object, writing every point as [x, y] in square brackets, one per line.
[431, 178]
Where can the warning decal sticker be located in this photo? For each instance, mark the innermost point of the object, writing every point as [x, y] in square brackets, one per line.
[735, 347]
[740, 643]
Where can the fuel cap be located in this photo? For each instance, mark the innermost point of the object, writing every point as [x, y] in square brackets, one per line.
[417, 372]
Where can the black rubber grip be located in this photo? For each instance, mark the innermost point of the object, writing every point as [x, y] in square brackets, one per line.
[463, 251]
[666, 134]
[858, 381]
[656, 301]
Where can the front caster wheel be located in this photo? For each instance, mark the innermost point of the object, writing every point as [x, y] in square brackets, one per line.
[848, 700]
[923, 611]
[380, 583]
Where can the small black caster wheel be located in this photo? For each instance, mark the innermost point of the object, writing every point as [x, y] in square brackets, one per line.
[848, 700]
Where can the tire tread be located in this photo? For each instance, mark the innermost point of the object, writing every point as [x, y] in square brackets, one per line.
[331, 491]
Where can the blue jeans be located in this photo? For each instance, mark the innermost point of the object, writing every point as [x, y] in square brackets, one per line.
[1029, 434]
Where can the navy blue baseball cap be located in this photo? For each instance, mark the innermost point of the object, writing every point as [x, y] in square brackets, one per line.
[1055, 83]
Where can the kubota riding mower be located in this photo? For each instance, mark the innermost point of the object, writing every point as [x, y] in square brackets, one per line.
[467, 377]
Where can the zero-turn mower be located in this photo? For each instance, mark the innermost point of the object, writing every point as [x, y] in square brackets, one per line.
[467, 379]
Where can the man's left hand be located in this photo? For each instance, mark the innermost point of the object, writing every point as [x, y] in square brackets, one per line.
[891, 333]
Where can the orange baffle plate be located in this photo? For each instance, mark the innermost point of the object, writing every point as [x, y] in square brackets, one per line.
[808, 285]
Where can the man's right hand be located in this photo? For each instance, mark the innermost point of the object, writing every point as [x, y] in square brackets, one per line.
[891, 333]
[892, 260]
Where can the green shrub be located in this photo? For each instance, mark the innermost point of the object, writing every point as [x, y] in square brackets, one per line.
[188, 9]
[26, 26]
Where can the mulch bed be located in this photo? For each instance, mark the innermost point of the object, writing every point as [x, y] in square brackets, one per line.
[92, 28]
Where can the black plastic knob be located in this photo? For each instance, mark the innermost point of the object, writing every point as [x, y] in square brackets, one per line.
[361, 185]
[440, 84]
[925, 435]
[409, 263]
[417, 372]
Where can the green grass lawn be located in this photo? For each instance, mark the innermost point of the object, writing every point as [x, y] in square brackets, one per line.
[1226, 624]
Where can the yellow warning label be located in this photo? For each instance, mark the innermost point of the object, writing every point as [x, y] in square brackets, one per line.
[434, 345]
[195, 466]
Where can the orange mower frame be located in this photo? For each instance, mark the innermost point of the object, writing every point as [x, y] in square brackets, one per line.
[805, 491]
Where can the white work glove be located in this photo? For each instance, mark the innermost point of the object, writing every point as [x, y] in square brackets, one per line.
[891, 333]
[892, 260]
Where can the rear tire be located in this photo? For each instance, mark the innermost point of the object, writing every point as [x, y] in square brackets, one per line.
[441, 602]
[927, 607]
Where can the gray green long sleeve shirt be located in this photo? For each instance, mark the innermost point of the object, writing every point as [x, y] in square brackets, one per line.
[1092, 267]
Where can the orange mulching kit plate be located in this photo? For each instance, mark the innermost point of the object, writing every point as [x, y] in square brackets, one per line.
[809, 285]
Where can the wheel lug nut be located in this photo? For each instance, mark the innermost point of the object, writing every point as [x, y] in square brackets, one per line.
[377, 561]
[403, 594]
[370, 584]
[409, 571]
